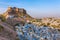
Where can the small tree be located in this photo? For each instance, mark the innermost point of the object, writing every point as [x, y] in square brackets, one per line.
[48, 24]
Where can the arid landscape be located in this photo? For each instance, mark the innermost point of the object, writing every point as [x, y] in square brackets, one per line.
[18, 16]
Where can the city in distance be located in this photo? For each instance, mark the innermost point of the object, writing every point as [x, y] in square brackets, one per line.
[29, 20]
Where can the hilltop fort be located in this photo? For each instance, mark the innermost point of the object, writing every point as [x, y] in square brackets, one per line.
[14, 16]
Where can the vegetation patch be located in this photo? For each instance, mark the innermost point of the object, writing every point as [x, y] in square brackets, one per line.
[1, 28]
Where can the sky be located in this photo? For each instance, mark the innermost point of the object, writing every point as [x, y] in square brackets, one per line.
[35, 8]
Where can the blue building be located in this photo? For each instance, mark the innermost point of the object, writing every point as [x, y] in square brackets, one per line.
[32, 32]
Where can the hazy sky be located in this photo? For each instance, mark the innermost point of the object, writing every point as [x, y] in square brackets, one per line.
[36, 8]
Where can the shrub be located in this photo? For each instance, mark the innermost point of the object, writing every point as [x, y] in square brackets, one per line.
[2, 18]
[1, 28]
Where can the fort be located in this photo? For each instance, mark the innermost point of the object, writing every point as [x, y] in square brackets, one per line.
[12, 17]
[13, 11]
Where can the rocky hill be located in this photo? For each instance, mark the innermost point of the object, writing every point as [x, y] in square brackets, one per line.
[15, 15]
[15, 12]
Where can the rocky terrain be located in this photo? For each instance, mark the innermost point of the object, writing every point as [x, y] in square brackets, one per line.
[17, 15]
[14, 16]
[9, 19]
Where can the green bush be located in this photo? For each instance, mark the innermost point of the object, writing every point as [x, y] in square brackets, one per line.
[2, 18]
[1, 28]
[17, 24]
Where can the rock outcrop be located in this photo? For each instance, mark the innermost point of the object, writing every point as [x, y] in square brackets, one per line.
[15, 15]
[7, 33]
